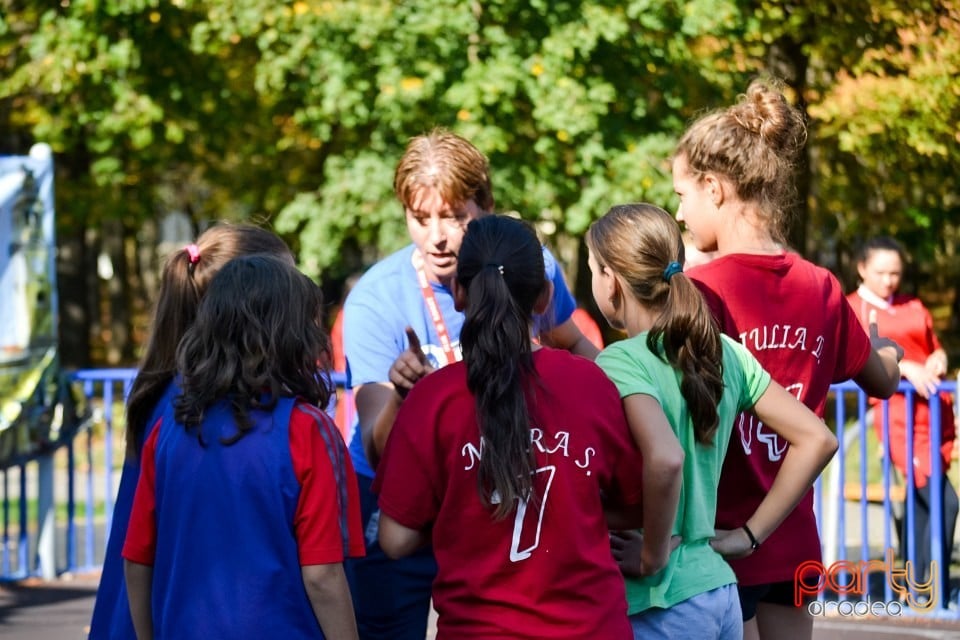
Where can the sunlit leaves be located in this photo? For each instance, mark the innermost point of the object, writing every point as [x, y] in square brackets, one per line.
[297, 111]
[893, 117]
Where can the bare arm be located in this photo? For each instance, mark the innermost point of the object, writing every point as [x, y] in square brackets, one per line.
[326, 586]
[811, 447]
[139, 579]
[662, 476]
[377, 405]
[568, 336]
[397, 540]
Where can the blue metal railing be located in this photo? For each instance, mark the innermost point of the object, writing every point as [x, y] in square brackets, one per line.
[76, 469]
[106, 381]
[837, 513]
[853, 563]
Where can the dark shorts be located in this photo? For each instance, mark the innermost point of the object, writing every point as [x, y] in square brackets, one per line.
[391, 598]
[776, 593]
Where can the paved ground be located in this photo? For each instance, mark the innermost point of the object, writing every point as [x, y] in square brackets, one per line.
[60, 610]
[37, 610]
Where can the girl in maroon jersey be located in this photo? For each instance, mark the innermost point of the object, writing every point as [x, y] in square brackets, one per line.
[733, 172]
[507, 460]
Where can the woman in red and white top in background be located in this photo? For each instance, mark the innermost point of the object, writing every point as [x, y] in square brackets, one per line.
[904, 319]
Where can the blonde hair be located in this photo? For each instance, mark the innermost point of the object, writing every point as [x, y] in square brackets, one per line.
[755, 144]
[448, 163]
[638, 242]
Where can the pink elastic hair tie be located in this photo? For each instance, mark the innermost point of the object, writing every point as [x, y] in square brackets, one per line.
[194, 252]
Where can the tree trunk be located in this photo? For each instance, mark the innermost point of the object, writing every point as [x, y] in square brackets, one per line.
[115, 334]
[72, 274]
[144, 284]
[130, 279]
[787, 61]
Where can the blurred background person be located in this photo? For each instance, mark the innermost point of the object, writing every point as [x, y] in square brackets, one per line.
[905, 319]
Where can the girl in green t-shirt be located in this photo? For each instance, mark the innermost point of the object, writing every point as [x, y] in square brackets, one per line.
[682, 384]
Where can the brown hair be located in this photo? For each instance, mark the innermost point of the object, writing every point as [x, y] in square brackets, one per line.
[448, 163]
[755, 144]
[637, 242]
[257, 337]
[182, 285]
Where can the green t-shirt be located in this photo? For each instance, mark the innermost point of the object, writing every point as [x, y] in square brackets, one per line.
[694, 567]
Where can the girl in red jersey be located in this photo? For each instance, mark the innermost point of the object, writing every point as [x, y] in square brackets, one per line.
[246, 504]
[905, 319]
[507, 460]
[733, 172]
[681, 379]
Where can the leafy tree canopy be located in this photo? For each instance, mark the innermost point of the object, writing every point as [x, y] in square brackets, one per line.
[297, 112]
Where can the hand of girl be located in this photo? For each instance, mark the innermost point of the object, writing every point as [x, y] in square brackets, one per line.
[880, 376]
[880, 343]
[732, 543]
[920, 377]
[628, 550]
[936, 363]
[625, 547]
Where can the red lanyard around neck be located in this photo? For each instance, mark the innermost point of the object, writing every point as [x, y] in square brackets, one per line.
[430, 299]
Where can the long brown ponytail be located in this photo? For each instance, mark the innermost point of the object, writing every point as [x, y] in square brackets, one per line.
[641, 243]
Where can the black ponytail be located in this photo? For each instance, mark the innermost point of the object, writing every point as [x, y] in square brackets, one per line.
[500, 266]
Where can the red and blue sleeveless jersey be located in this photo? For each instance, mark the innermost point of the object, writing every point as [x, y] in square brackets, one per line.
[227, 527]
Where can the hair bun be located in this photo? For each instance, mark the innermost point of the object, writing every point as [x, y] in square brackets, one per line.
[764, 111]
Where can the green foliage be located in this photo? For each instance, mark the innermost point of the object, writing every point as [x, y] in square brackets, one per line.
[888, 127]
[301, 110]
[297, 112]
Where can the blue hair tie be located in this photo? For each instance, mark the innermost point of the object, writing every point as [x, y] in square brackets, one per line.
[672, 268]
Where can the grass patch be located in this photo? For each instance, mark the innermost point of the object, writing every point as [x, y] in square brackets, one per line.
[80, 511]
